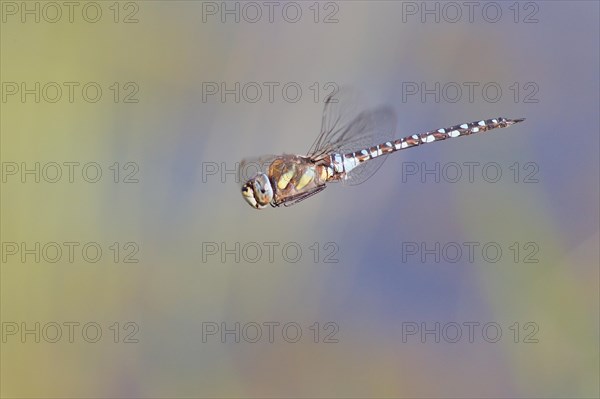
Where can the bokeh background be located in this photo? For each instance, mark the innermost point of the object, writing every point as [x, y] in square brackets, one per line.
[175, 137]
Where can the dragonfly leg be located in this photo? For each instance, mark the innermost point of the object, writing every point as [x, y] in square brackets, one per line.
[294, 199]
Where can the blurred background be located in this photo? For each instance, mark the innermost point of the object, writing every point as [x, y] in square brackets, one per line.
[134, 256]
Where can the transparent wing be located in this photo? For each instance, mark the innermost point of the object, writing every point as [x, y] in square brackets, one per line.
[381, 125]
[341, 108]
[349, 126]
[250, 167]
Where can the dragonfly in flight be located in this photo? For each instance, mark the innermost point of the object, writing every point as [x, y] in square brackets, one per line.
[345, 151]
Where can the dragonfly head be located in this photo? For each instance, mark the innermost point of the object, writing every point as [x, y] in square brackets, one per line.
[257, 191]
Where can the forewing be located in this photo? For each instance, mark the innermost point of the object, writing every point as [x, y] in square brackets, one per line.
[341, 109]
[380, 124]
[349, 126]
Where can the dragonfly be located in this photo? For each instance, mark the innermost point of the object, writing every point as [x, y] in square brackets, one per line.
[346, 150]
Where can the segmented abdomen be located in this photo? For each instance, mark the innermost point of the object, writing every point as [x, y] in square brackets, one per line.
[351, 160]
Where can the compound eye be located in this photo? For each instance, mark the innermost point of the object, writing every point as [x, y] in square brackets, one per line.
[248, 195]
[262, 190]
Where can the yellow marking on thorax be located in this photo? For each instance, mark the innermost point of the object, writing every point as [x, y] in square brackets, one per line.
[306, 178]
[323, 175]
[285, 178]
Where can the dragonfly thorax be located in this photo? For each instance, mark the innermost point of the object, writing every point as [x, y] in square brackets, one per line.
[258, 191]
